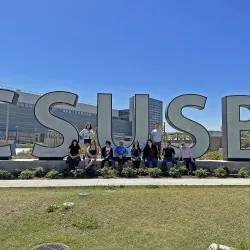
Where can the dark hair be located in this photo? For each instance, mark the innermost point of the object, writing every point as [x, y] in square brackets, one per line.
[169, 142]
[90, 126]
[157, 123]
[72, 143]
[134, 144]
[147, 146]
[108, 142]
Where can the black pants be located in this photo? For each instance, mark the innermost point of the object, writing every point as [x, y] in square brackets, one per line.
[108, 160]
[73, 162]
[188, 161]
[136, 164]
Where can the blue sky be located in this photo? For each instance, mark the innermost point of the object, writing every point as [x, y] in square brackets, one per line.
[164, 48]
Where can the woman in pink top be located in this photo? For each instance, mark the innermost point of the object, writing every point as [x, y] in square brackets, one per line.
[187, 156]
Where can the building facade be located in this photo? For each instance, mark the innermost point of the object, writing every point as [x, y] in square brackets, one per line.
[155, 112]
[22, 118]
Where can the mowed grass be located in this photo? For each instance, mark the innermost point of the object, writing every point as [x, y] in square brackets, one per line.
[176, 218]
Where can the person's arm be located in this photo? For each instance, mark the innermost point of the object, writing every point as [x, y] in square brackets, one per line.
[111, 153]
[124, 155]
[173, 153]
[97, 152]
[163, 152]
[191, 155]
[82, 132]
[69, 154]
[152, 135]
[88, 154]
[79, 153]
[180, 155]
[161, 134]
[116, 155]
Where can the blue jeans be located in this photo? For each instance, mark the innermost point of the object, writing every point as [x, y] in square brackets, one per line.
[73, 162]
[166, 160]
[187, 162]
[151, 159]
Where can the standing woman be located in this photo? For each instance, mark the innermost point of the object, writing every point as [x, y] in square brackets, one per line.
[136, 154]
[87, 134]
[91, 154]
[74, 155]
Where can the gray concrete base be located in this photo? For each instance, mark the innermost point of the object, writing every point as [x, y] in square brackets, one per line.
[59, 165]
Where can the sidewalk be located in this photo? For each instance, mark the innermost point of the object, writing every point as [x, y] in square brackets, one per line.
[124, 182]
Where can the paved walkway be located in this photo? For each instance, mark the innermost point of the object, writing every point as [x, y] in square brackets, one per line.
[125, 182]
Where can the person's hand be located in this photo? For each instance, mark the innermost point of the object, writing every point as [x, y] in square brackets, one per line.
[120, 156]
[192, 160]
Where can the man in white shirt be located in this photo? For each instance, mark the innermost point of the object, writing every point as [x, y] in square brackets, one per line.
[157, 138]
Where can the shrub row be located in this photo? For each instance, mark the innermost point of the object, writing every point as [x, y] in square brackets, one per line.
[175, 172]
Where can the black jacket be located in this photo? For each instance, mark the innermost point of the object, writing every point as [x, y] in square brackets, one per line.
[104, 153]
[146, 151]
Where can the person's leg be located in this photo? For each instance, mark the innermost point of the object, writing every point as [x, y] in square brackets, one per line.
[187, 161]
[138, 163]
[117, 163]
[110, 162]
[174, 161]
[86, 162]
[70, 163]
[164, 164]
[154, 161]
[159, 150]
[147, 161]
[92, 161]
[193, 166]
[102, 164]
[76, 161]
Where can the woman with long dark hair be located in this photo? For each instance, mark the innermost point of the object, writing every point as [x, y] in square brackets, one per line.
[74, 155]
[91, 154]
[150, 154]
[136, 154]
[87, 134]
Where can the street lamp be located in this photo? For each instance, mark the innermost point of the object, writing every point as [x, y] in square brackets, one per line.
[17, 134]
[7, 123]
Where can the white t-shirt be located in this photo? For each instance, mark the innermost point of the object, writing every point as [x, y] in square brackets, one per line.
[87, 134]
[157, 134]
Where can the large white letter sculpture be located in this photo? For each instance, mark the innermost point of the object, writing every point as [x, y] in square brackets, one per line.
[45, 117]
[104, 119]
[11, 97]
[232, 127]
[175, 119]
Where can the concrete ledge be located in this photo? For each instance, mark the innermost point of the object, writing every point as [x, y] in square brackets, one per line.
[59, 165]
[124, 182]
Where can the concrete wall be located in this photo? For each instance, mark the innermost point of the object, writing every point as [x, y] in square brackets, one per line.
[22, 164]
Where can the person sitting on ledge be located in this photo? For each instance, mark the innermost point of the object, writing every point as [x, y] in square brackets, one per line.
[187, 156]
[121, 156]
[150, 154]
[91, 155]
[107, 154]
[73, 158]
[136, 154]
[168, 154]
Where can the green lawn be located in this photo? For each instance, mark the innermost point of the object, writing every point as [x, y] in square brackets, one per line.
[176, 218]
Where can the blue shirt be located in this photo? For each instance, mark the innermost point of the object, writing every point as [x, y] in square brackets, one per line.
[121, 150]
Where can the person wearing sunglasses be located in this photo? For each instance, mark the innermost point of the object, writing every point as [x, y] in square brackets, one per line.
[187, 156]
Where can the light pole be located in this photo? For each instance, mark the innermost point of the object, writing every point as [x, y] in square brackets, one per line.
[17, 134]
[7, 123]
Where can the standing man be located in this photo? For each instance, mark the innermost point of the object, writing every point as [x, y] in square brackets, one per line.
[157, 138]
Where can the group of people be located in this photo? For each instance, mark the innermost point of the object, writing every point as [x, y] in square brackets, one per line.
[150, 154]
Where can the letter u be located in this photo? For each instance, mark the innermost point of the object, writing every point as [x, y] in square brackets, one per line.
[140, 121]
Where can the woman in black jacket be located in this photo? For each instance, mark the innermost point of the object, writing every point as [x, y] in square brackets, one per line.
[150, 153]
[107, 154]
[136, 154]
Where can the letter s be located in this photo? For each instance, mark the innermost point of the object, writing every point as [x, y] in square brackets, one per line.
[45, 117]
[11, 97]
[176, 120]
